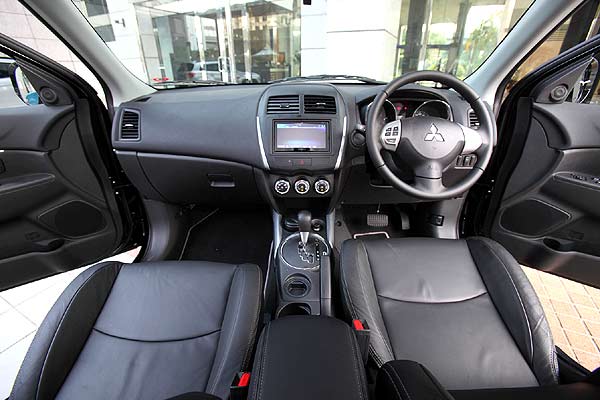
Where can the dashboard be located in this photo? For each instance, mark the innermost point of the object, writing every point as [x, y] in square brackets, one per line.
[283, 143]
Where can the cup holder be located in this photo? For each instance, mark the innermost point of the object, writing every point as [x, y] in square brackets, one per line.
[297, 285]
[294, 309]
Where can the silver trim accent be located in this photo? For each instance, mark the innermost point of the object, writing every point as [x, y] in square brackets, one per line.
[390, 142]
[277, 182]
[261, 145]
[473, 139]
[330, 220]
[316, 184]
[296, 235]
[338, 162]
[300, 181]
[357, 235]
[277, 230]
[448, 108]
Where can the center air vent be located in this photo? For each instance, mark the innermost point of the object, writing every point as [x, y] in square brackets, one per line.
[473, 120]
[283, 105]
[130, 125]
[319, 105]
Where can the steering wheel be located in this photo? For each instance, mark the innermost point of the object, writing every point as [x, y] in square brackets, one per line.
[430, 145]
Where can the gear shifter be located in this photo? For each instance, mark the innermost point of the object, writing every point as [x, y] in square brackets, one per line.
[304, 225]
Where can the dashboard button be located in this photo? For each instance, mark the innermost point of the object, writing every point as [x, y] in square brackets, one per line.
[301, 162]
[302, 186]
[322, 186]
[282, 186]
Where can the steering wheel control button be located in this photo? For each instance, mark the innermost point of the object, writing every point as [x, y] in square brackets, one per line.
[322, 186]
[390, 135]
[302, 186]
[282, 186]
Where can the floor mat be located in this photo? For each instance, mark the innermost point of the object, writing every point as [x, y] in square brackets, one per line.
[232, 236]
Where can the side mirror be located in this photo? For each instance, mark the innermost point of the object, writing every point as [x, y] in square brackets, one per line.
[23, 88]
[585, 84]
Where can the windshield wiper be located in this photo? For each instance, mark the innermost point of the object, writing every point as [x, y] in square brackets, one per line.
[207, 82]
[329, 77]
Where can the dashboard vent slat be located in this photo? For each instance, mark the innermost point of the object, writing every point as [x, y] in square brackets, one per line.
[283, 105]
[473, 120]
[130, 125]
[319, 105]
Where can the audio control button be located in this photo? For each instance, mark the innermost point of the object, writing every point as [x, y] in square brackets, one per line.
[322, 186]
[302, 186]
[282, 186]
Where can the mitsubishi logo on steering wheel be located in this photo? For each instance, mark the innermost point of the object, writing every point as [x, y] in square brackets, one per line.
[434, 134]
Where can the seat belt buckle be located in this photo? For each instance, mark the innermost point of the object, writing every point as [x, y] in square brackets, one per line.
[239, 387]
[362, 332]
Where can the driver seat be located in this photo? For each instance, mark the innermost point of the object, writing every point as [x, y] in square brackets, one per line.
[462, 308]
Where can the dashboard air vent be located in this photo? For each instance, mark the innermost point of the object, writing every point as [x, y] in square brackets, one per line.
[283, 105]
[319, 105]
[473, 120]
[130, 125]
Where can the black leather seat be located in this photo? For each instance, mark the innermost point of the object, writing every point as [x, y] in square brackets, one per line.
[462, 308]
[145, 331]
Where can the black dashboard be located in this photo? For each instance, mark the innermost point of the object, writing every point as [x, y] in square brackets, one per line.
[283, 143]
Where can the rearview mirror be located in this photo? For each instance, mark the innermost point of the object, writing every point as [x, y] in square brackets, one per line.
[23, 88]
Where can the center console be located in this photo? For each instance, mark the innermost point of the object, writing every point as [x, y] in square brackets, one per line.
[302, 266]
[302, 134]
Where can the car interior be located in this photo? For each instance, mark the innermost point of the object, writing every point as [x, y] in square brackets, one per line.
[329, 237]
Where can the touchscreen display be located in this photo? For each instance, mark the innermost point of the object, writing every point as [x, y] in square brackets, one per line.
[310, 136]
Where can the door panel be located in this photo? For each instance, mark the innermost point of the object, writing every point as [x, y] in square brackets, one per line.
[53, 215]
[549, 216]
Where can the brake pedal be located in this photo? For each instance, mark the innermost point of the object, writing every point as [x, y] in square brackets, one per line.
[377, 220]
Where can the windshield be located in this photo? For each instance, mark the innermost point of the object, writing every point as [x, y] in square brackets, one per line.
[257, 41]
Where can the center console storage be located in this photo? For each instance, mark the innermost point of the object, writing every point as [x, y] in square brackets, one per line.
[308, 357]
[303, 269]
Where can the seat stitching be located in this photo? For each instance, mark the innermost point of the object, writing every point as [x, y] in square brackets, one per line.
[439, 302]
[157, 341]
[516, 291]
[354, 363]
[254, 327]
[263, 362]
[354, 312]
[66, 310]
[368, 307]
[400, 382]
[230, 336]
[384, 369]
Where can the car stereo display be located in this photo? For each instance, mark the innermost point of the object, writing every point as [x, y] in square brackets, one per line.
[301, 136]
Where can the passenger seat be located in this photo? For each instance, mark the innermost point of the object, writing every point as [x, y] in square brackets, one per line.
[145, 331]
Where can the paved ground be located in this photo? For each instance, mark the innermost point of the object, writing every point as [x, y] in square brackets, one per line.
[573, 311]
[22, 309]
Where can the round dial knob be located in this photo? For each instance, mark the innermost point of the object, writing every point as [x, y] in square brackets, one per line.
[282, 186]
[302, 186]
[322, 186]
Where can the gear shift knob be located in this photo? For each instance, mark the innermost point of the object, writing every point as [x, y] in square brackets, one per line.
[304, 225]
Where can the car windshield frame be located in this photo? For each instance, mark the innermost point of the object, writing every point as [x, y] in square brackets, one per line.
[258, 42]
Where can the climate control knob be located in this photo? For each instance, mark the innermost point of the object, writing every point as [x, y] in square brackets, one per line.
[282, 186]
[302, 186]
[322, 186]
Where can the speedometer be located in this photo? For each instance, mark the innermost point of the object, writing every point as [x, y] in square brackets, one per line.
[434, 108]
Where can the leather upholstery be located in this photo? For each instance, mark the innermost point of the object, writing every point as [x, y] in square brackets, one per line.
[147, 330]
[462, 308]
[408, 380]
[308, 357]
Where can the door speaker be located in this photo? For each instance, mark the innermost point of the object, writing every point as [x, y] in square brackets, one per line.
[532, 218]
[74, 219]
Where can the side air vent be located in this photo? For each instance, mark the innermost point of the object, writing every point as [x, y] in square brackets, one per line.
[319, 105]
[473, 120]
[283, 105]
[130, 125]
